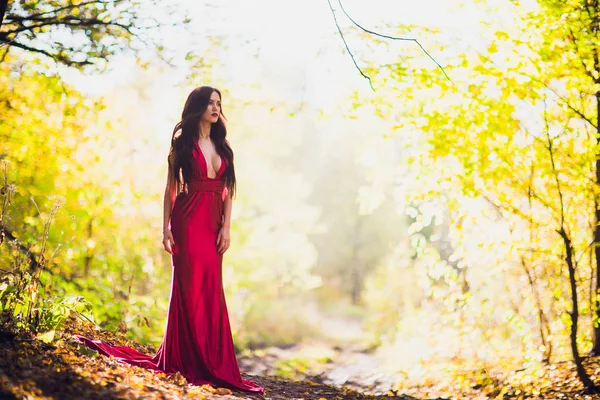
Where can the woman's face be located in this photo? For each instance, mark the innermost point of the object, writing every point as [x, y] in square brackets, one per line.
[214, 108]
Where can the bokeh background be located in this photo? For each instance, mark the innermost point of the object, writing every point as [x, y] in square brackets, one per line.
[403, 232]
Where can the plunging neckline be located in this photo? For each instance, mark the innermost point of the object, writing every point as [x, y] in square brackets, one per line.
[206, 163]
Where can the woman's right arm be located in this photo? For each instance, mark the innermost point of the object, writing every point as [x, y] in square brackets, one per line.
[169, 199]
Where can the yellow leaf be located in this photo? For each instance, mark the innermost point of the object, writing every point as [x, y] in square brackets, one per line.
[46, 337]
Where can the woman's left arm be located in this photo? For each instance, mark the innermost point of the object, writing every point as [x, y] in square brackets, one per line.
[223, 238]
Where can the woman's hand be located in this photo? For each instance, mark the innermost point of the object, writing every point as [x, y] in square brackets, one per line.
[168, 241]
[223, 239]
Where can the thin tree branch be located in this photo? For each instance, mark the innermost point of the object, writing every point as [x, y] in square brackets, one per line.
[509, 207]
[550, 147]
[3, 57]
[565, 101]
[348, 48]
[72, 6]
[57, 57]
[587, 8]
[68, 22]
[534, 78]
[65, 19]
[395, 38]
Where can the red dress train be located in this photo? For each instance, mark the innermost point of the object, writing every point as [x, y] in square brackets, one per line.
[197, 340]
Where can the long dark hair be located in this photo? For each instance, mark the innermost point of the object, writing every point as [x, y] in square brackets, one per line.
[183, 145]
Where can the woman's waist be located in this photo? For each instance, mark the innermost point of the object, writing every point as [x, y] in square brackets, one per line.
[206, 185]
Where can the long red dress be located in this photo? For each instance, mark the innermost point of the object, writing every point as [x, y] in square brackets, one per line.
[197, 340]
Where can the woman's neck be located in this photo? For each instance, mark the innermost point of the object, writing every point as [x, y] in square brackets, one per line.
[204, 129]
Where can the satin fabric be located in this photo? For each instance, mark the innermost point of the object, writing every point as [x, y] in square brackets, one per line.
[197, 340]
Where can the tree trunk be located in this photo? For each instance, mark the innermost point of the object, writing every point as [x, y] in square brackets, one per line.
[3, 7]
[596, 320]
[581, 373]
[593, 9]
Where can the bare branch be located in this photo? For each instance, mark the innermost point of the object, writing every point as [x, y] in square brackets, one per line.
[124, 21]
[57, 57]
[68, 22]
[348, 48]
[394, 38]
[72, 6]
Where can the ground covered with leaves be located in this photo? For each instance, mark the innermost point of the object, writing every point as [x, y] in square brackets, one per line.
[39, 367]
[63, 368]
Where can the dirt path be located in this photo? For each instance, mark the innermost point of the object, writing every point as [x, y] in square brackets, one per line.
[65, 369]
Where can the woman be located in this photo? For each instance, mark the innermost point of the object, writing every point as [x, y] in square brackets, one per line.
[197, 217]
